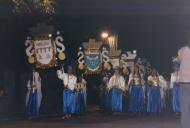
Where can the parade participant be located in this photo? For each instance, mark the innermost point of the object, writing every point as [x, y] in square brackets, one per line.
[136, 92]
[184, 82]
[69, 95]
[116, 89]
[163, 89]
[175, 91]
[153, 93]
[34, 95]
[81, 95]
[103, 86]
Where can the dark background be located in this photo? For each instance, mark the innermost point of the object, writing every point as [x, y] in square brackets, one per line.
[156, 29]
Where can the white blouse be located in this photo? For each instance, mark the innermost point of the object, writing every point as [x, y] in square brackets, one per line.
[69, 81]
[116, 81]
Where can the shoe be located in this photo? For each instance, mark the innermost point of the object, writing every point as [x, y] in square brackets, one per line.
[64, 117]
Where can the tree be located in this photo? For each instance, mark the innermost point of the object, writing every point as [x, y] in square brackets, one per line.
[34, 6]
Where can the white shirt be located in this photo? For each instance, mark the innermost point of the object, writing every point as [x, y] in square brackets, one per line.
[184, 58]
[174, 78]
[69, 81]
[37, 82]
[117, 81]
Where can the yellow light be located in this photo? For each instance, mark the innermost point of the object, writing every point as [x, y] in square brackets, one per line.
[104, 35]
[50, 35]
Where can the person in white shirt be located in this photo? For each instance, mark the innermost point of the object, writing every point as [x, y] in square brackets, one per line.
[184, 82]
[34, 95]
[69, 97]
[116, 89]
[81, 94]
[174, 86]
[136, 92]
[153, 93]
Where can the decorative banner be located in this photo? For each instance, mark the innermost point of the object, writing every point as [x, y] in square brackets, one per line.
[93, 61]
[44, 53]
[81, 64]
[128, 60]
[115, 62]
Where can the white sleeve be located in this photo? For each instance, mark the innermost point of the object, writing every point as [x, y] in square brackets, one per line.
[110, 83]
[172, 80]
[63, 76]
[130, 79]
[122, 83]
[28, 85]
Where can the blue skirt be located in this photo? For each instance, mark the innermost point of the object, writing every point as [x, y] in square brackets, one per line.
[116, 100]
[107, 105]
[80, 103]
[136, 98]
[176, 98]
[32, 107]
[69, 101]
[154, 99]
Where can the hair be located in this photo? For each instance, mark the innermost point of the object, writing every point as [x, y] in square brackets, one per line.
[136, 66]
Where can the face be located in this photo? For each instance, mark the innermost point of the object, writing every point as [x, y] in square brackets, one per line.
[154, 72]
[116, 72]
[70, 71]
[80, 79]
[136, 69]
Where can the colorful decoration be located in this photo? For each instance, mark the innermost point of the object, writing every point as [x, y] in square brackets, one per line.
[90, 58]
[47, 51]
[31, 60]
[61, 56]
[107, 66]
[81, 66]
[127, 59]
[93, 60]
[106, 59]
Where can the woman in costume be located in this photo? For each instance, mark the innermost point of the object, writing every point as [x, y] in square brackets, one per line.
[69, 93]
[136, 92]
[116, 91]
[175, 89]
[153, 93]
[81, 95]
[34, 95]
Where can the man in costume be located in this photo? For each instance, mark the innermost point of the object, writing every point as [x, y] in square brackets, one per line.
[69, 95]
[184, 82]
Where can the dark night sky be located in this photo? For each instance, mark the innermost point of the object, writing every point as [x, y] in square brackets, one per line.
[157, 29]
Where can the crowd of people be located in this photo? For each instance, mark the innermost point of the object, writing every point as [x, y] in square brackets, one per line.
[139, 92]
[134, 91]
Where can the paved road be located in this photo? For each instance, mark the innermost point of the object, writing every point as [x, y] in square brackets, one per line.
[98, 121]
